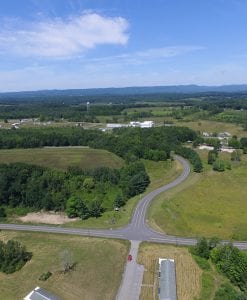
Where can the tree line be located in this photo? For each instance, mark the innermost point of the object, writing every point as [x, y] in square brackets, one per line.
[82, 193]
[129, 143]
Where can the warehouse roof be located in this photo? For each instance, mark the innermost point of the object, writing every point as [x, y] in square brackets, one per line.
[167, 284]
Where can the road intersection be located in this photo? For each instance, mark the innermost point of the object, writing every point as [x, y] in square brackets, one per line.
[137, 229]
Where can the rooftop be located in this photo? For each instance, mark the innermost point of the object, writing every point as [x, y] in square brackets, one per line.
[40, 294]
[167, 284]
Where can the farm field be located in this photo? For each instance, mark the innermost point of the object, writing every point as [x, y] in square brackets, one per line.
[212, 126]
[187, 272]
[207, 204]
[160, 173]
[98, 263]
[62, 157]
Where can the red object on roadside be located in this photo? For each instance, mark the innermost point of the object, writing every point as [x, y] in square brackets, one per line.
[129, 257]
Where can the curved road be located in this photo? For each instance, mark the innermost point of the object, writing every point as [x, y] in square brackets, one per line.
[136, 230]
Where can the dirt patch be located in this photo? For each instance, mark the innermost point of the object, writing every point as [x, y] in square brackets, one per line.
[47, 218]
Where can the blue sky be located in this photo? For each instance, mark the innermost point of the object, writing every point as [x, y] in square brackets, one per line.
[60, 44]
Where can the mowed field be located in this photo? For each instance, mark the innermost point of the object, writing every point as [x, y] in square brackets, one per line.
[62, 157]
[188, 274]
[97, 274]
[207, 204]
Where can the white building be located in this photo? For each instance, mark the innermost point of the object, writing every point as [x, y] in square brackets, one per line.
[205, 147]
[115, 125]
[144, 124]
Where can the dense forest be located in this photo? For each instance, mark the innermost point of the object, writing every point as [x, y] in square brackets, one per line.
[82, 193]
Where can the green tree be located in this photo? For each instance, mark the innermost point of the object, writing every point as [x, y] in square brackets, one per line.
[88, 183]
[236, 155]
[228, 292]
[119, 201]
[232, 263]
[13, 256]
[202, 248]
[219, 165]
[96, 209]
[77, 208]
[212, 156]
[234, 143]
[2, 212]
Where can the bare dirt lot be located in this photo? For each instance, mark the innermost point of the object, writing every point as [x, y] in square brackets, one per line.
[46, 218]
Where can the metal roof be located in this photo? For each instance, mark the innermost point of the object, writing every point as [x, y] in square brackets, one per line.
[41, 294]
[167, 286]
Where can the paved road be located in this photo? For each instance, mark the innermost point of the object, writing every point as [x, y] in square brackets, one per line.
[137, 230]
[132, 277]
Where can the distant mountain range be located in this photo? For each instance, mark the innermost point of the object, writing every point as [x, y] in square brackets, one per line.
[180, 89]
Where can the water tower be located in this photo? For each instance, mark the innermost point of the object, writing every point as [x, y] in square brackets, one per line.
[88, 106]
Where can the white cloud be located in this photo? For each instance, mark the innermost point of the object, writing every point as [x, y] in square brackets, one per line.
[166, 52]
[142, 57]
[64, 38]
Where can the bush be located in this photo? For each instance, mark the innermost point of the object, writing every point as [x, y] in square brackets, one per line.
[204, 246]
[219, 165]
[232, 263]
[236, 155]
[13, 256]
[45, 276]
[201, 248]
[227, 292]
[212, 156]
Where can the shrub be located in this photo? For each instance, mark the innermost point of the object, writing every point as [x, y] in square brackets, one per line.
[219, 165]
[45, 276]
[13, 256]
[201, 248]
[227, 292]
[232, 263]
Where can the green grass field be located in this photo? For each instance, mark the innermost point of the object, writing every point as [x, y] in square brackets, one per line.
[207, 204]
[97, 274]
[212, 126]
[62, 157]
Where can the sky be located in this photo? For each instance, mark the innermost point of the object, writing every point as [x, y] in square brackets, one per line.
[67, 44]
